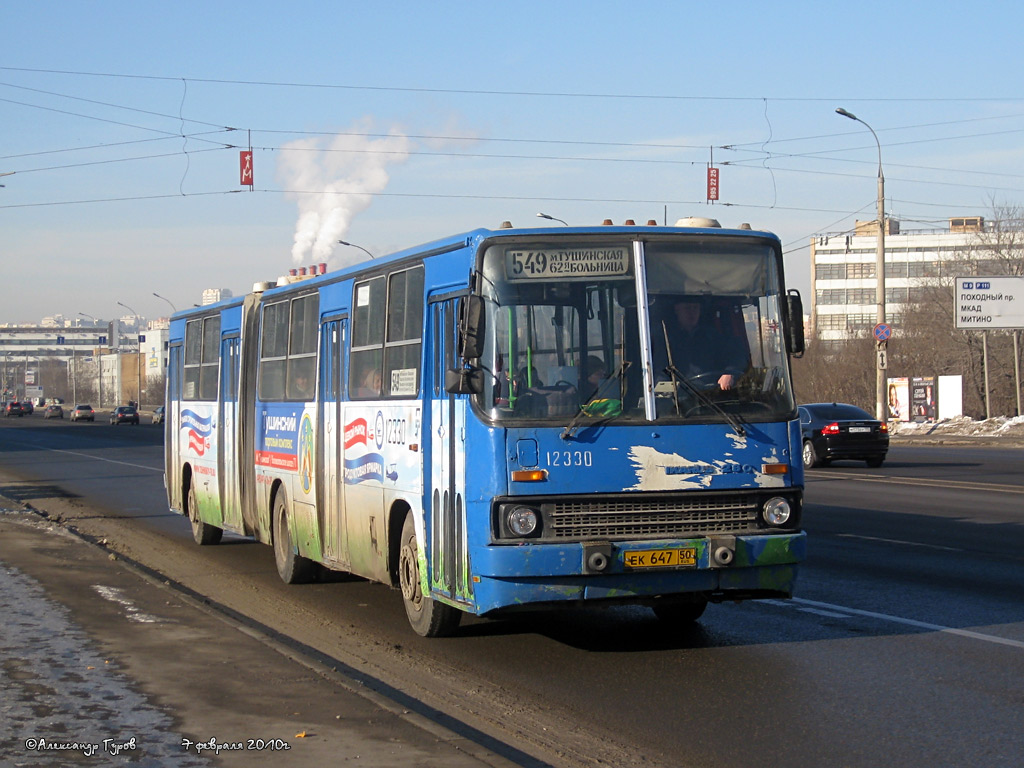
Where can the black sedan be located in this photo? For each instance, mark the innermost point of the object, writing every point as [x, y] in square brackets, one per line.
[841, 431]
[124, 414]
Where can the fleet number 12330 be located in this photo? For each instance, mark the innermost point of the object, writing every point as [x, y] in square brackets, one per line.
[570, 458]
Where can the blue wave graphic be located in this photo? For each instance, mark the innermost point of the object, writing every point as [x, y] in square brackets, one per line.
[368, 467]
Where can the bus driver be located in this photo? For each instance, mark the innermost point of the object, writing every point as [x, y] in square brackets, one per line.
[699, 348]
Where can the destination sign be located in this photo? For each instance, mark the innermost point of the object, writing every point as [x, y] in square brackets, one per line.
[989, 302]
[562, 263]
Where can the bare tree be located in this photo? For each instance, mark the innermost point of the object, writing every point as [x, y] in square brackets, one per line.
[836, 373]
[927, 342]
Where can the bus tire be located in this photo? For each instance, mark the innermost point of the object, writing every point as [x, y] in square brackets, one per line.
[810, 456]
[292, 567]
[202, 533]
[428, 617]
[679, 615]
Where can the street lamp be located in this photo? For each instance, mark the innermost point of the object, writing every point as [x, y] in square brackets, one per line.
[138, 355]
[173, 308]
[550, 218]
[353, 245]
[880, 361]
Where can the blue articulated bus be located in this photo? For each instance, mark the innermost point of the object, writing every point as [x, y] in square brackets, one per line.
[507, 419]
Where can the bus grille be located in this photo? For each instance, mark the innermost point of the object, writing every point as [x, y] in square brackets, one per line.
[670, 518]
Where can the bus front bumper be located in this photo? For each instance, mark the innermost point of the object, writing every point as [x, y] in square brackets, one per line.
[717, 567]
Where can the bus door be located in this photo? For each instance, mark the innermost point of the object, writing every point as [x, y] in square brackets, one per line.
[446, 516]
[330, 434]
[172, 434]
[228, 470]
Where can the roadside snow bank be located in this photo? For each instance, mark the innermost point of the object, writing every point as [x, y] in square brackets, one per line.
[1001, 426]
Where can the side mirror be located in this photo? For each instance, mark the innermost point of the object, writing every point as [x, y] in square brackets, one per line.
[472, 327]
[463, 381]
[794, 323]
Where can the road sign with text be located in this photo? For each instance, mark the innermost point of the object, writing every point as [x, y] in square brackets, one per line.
[989, 302]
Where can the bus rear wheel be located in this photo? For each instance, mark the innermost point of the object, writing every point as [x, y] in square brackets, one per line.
[202, 533]
[292, 567]
[428, 617]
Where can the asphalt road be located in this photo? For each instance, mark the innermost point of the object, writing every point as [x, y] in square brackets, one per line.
[904, 644]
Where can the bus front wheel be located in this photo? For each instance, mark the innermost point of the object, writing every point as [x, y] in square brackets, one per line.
[428, 617]
[810, 456]
[679, 615]
[202, 533]
[292, 567]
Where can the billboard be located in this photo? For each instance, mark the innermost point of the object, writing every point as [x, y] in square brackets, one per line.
[923, 398]
[245, 167]
[899, 399]
[713, 184]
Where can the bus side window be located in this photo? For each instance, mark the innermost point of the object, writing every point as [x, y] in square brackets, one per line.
[300, 378]
[366, 374]
[272, 380]
[367, 350]
[404, 332]
[273, 350]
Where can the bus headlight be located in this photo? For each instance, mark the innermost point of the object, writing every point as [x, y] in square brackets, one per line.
[776, 511]
[522, 521]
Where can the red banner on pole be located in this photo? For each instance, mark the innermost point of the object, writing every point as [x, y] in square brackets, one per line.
[712, 183]
[245, 167]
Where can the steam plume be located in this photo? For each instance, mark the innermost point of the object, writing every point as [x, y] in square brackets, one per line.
[332, 180]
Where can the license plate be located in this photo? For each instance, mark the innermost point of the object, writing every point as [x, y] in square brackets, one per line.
[860, 429]
[660, 558]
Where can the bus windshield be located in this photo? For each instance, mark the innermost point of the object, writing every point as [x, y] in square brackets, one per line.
[574, 333]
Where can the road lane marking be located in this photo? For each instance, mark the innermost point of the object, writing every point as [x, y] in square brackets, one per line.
[91, 456]
[911, 622]
[826, 614]
[898, 541]
[815, 611]
[960, 485]
[110, 461]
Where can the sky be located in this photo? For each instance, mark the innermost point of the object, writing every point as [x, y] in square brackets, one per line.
[392, 124]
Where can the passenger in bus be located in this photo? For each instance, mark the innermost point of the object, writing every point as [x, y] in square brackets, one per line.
[700, 348]
[600, 394]
[301, 388]
[370, 383]
[597, 372]
[527, 379]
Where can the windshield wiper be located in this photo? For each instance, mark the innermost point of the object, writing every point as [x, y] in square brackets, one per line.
[620, 374]
[705, 400]
[677, 376]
